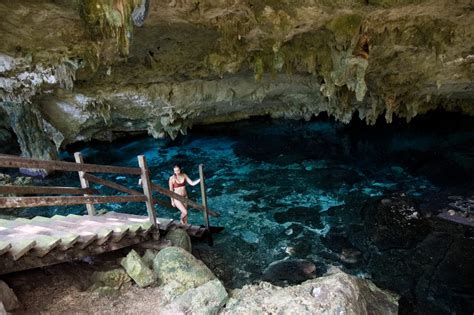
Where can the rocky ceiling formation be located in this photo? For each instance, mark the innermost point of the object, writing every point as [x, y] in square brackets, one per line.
[92, 69]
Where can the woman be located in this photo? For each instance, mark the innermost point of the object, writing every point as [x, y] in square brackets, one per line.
[177, 184]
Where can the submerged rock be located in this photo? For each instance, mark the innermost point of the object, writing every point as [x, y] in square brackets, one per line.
[176, 264]
[339, 293]
[290, 270]
[137, 269]
[179, 238]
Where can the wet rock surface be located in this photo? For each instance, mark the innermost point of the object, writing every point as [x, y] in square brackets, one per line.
[290, 271]
[432, 256]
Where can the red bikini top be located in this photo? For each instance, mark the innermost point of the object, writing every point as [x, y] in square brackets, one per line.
[176, 184]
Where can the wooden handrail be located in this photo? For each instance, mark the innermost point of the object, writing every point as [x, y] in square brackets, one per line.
[25, 202]
[110, 184]
[101, 181]
[174, 195]
[11, 161]
[22, 190]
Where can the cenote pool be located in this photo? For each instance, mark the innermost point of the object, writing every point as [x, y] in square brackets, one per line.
[360, 198]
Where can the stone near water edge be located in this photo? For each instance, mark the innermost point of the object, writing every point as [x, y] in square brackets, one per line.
[206, 299]
[179, 238]
[137, 269]
[291, 270]
[8, 298]
[176, 264]
[338, 293]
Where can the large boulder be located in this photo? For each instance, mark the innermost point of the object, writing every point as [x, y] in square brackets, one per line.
[176, 264]
[179, 238]
[137, 269]
[206, 299]
[8, 298]
[339, 293]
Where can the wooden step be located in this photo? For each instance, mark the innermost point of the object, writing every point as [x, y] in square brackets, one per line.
[89, 223]
[4, 247]
[162, 222]
[68, 239]
[87, 234]
[75, 222]
[134, 221]
[20, 246]
[21, 225]
[45, 237]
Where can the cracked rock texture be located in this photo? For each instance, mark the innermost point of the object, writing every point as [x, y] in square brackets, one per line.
[96, 69]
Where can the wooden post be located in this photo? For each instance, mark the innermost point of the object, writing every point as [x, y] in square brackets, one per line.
[204, 197]
[84, 183]
[146, 184]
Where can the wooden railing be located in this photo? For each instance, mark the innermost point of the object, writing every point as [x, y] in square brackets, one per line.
[91, 196]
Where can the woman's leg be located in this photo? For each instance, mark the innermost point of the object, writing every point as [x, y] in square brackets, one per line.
[184, 211]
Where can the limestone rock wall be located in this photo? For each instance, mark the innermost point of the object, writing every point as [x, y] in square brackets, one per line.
[98, 68]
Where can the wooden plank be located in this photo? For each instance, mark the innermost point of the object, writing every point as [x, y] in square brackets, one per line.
[119, 230]
[108, 183]
[84, 183]
[203, 196]
[174, 195]
[21, 162]
[147, 189]
[22, 227]
[20, 246]
[23, 202]
[163, 223]
[133, 219]
[4, 247]
[85, 228]
[68, 239]
[21, 190]
[8, 265]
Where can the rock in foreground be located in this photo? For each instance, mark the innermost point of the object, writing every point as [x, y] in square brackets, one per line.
[205, 299]
[137, 269]
[176, 264]
[335, 294]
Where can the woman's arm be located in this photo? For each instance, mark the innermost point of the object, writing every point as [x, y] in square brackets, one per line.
[190, 182]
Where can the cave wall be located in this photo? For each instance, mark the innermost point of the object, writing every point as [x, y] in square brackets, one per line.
[89, 69]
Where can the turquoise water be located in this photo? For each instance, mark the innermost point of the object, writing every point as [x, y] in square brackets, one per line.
[277, 183]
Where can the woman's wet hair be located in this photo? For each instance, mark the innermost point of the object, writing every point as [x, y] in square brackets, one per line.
[178, 166]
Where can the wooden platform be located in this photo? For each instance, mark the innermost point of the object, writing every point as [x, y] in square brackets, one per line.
[41, 241]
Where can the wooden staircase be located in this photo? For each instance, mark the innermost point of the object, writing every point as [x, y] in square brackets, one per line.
[41, 241]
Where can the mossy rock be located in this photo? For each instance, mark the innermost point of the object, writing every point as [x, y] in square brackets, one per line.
[176, 264]
[179, 238]
[137, 269]
[149, 256]
[115, 278]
